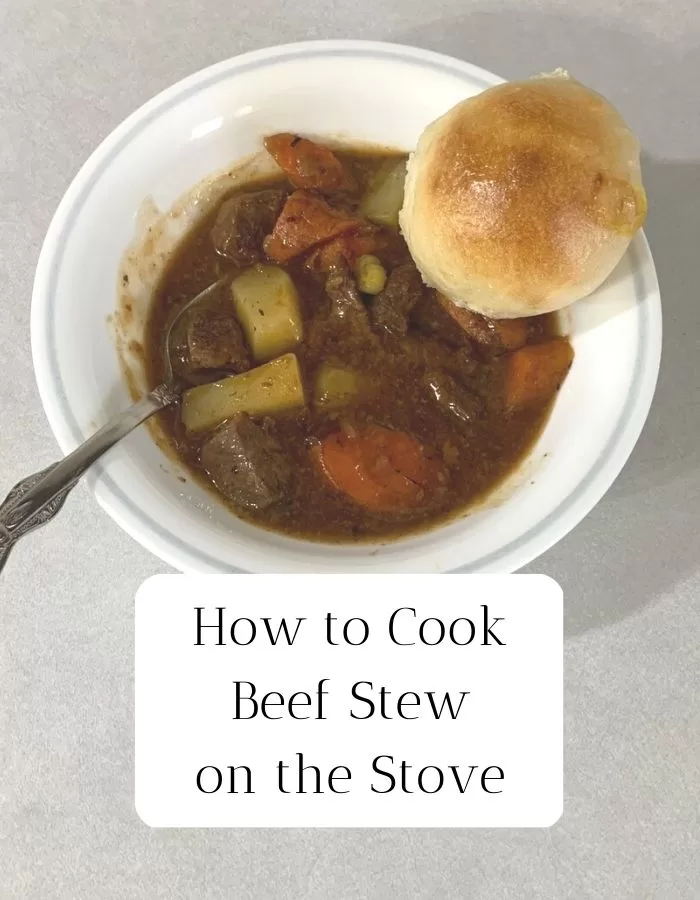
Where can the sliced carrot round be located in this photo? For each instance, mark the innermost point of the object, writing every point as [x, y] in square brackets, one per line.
[379, 468]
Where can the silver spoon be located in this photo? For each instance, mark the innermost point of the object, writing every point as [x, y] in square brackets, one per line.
[35, 500]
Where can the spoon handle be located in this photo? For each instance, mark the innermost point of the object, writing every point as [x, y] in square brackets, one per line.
[35, 500]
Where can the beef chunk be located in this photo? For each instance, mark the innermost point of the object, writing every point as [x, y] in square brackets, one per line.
[430, 317]
[215, 341]
[459, 362]
[242, 224]
[391, 308]
[346, 303]
[496, 335]
[458, 403]
[246, 463]
[438, 316]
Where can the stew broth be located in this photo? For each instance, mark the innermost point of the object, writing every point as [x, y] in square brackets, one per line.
[421, 373]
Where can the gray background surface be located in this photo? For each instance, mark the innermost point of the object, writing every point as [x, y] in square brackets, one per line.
[70, 70]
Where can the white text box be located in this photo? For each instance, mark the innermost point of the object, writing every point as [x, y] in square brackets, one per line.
[448, 714]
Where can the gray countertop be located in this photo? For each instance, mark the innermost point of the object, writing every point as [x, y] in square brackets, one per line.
[71, 70]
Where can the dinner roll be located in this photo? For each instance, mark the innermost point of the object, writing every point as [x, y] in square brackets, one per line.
[523, 199]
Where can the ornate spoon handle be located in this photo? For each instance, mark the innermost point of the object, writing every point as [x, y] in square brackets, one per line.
[35, 500]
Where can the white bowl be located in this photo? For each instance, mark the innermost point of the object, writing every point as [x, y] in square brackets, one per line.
[359, 91]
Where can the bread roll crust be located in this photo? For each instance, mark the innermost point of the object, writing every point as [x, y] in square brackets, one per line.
[523, 199]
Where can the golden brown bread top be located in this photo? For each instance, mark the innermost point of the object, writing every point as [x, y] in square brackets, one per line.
[530, 190]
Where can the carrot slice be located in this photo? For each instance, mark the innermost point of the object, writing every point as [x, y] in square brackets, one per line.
[534, 373]
[345, 250]
[304, 222]
[497, 334]
[380, 469]
[341, 460]
[309, 165]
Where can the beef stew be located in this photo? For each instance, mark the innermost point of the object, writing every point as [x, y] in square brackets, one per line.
[333, 395]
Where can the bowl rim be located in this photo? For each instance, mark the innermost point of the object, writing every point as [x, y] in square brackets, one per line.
[154, 535]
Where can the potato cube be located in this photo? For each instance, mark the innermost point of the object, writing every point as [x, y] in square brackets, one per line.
[336, 386]
[267, 306]
[384, 199]
[271, 388]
